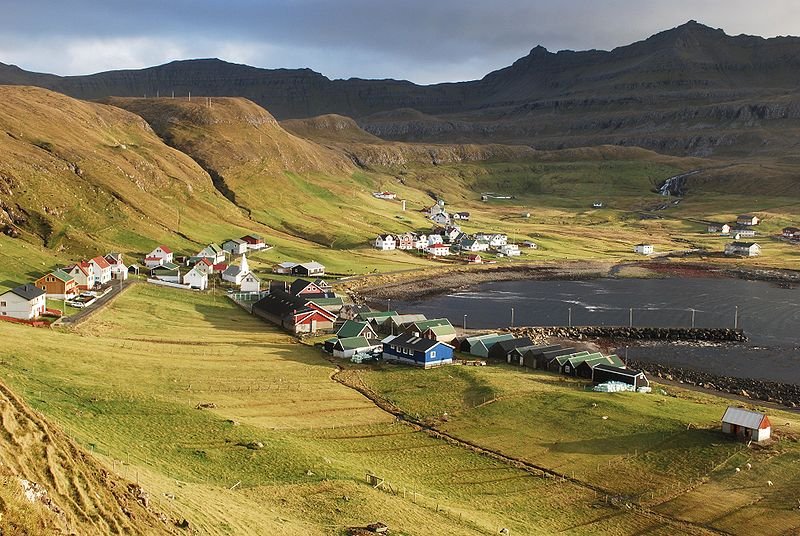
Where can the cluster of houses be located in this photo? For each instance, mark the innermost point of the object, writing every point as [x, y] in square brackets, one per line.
[447, 239]
[301, 307]
[791, 233]
[743, 227]
[29, 301]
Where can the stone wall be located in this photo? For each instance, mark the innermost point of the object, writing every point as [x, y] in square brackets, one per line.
[634, 333]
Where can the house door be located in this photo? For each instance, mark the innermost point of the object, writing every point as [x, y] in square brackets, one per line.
[313, 326]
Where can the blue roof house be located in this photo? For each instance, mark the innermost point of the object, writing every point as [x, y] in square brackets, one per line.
[414, 350]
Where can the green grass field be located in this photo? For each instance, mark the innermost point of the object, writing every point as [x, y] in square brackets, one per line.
[126, 385]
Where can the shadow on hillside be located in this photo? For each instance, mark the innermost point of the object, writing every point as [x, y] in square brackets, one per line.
[653, 442]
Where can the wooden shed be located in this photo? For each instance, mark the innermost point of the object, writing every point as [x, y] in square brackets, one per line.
[608, 373]
[745, 424]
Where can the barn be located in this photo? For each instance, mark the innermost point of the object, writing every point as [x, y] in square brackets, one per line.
[608, 373]
[745, 424]
[500, 350]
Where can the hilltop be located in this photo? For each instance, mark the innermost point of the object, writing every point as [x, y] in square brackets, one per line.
[688, 90]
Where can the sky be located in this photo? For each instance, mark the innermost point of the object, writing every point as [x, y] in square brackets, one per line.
[425, 41]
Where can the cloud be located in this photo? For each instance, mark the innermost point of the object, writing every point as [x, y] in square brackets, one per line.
[421, 40]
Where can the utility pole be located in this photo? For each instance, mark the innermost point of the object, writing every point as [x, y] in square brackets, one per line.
[736, 318]
[569, 323]
[465, 322]
[512, 317]
[388, 304]
[630, 321]
[693, 312]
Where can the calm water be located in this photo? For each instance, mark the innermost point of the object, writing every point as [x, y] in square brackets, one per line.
[769, 314]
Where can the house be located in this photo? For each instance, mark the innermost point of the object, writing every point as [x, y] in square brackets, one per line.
[169, 272]
[284, 268]
[422, 242]
[384, 195]
[406, 241]
[118, 269]
[510, 250]
[483, 345]
[438, 250]
[58, 285]
[501, 350]
[212, 252]
[235, 246]
[385, 242]
[349, 346]
[540, 359]
[434, 239]
[467, 342]
[526, 356]
[351, 328]
[415, 350]
[308, 289]
[83, 273]
[792, 233]
[439, 329]
[206, 266]
[234, 274]
[393, 324]
[597, 204]
[441, 218]
[643, 249]
[586, 368]
[573, 362]
[375, 318]
[473, 245]
[745, 424]
[473, 258]
[309, 269]
[747, 219]
[254, 242]
[293, 313]
[24, 302]
[102, 271]
[495, 240]
[250, 283]
[453, 234]
[608, 373]
[463, 216]
[196, 278]
[158, 256]
[723, 228]
[561, 363]
[530, 245]
[743, 249]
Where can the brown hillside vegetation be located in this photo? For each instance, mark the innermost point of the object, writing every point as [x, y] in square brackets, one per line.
[74, 174]
[79, 496]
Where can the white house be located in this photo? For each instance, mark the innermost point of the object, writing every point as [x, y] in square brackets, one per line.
[234, 246]
[212, 252]
[421, 242]
[83, 273]
[196, 278]
[744, 249]
[385, 242]
[25, 302]
[235, 274]
[453, 233]
[743, 232]
[158, 256]
[434, 239]
[441, 218]
[747, 219]
[495, 239]
[643, 249]
[102, 270]
[250, 283]
[284, 268]
[406, 241]
[118, 269]
[384, 195]
[438, 250]
[510, 250]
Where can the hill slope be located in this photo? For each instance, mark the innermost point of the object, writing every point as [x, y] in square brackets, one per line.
[688, 90]
[75, 175]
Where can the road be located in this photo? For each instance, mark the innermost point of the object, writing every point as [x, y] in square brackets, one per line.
[100, 303]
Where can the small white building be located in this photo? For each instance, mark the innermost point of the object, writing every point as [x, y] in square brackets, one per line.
[441, 218]
[234, 246]
[643, 249]
[719, 228]
[438, 250]
[434, 239]
[743, 232]
[159, 256]
[495, 239]
[510, 250]
[234, 274]
[118, 269]
[386, 242]
[284, 268]
[250, 283]
[212, 252]
[743, 249]
[747, 219]
[196, 278]
[24, 302]
[745, 424]
[421, 243]
[530, 244]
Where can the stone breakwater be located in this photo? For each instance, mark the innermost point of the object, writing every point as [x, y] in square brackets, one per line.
[786, 394]
[632, 333]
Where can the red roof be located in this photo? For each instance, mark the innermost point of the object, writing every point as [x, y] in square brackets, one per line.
[220, 267]
[250, 239]
[165, 249]
[101, 262]
[205, 261]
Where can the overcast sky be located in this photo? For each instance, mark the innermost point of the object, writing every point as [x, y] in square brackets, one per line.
[425, 41]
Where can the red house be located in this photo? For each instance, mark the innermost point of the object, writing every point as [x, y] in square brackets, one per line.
[254, 241]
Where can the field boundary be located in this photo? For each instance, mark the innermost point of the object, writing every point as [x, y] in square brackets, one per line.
[341, 376]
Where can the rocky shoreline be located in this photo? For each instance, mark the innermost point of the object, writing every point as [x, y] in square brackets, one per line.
[632, 333]
[786, 394]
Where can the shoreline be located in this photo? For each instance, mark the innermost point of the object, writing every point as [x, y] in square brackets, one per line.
[418, 285]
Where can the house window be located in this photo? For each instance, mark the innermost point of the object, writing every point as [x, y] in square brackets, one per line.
[2, 304]
[433, 354]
